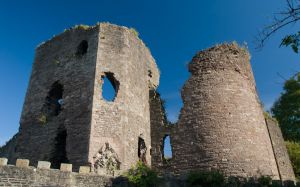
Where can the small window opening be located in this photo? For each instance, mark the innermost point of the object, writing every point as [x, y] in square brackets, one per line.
[149, 73]
[167, 149]
[59, 154]
[82, 48]
[142, 150]
[54, 99]
[110, 86]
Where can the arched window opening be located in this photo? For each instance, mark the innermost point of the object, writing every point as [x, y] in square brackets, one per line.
[59, 154]
[82, 48]
[110, 86]
[142, 150]
[54, 99]
[167, 149]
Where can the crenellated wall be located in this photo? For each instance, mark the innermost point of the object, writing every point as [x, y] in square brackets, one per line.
[22, 174]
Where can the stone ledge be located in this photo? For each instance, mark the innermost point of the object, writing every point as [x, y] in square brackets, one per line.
[3, 161]
[43, 165]
[66, 167]
[22, 163]
[84, 169]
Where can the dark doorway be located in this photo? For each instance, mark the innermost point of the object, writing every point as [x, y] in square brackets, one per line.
[142, 150]
[59, 154]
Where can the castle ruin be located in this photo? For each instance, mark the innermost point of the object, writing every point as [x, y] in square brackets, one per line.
[65, 118]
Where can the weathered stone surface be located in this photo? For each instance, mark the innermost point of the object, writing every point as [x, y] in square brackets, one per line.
[13, 176]
[8, 150]
[22, 163]
[43, 165]
[66, 167]
[106, 161]
[84, 169]
[159, 129]
[72, 126]
[282, 158]
[221, 125]
[3, 161]
[127, 118]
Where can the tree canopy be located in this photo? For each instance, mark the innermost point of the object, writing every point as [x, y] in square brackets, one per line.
[287, 109]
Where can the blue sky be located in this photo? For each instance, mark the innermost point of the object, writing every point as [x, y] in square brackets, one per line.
[173, 30]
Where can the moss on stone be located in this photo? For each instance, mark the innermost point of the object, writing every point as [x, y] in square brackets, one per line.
[134, 31]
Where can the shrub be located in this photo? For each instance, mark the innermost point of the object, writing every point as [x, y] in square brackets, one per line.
[294, 153]
[204, 179]
[265, 180]
[142, 176]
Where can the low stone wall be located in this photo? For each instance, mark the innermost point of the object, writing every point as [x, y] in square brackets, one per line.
[22, 174]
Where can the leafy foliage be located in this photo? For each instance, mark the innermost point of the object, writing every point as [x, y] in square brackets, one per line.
[289, 15]
[204, 178]
[287, 109]
[265, 180]
[142, 176]
[294, 153]
[292, 40]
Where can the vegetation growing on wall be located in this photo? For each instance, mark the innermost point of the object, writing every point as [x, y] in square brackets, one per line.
[142, 176]
[217, 179]
[294, 153]
[203, 178]
[134, 31]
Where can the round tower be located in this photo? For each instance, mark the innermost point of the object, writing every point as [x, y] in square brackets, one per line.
[221, 125]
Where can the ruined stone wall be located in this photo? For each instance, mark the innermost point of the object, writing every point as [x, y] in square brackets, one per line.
[160, 128]
[87, 128]
[282, 158]
[58, 60]
[120, 123]
[24, 175]
[221, 125]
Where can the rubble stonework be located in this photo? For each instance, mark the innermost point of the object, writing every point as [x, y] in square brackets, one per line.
[65, 118]
[282, 158]
[223, 117]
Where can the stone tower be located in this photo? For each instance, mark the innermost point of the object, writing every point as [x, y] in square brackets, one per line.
[66, 119]
[222, 120]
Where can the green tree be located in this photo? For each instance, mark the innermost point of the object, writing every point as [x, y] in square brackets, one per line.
[287, 109]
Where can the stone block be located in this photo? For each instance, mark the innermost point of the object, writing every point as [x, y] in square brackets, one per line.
[43, 165]
[84, 169]
[66, 167]
[22, 163]
[3, 161]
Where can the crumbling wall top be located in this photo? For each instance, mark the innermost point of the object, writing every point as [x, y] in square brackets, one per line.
[222, 57]
[153, 71]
